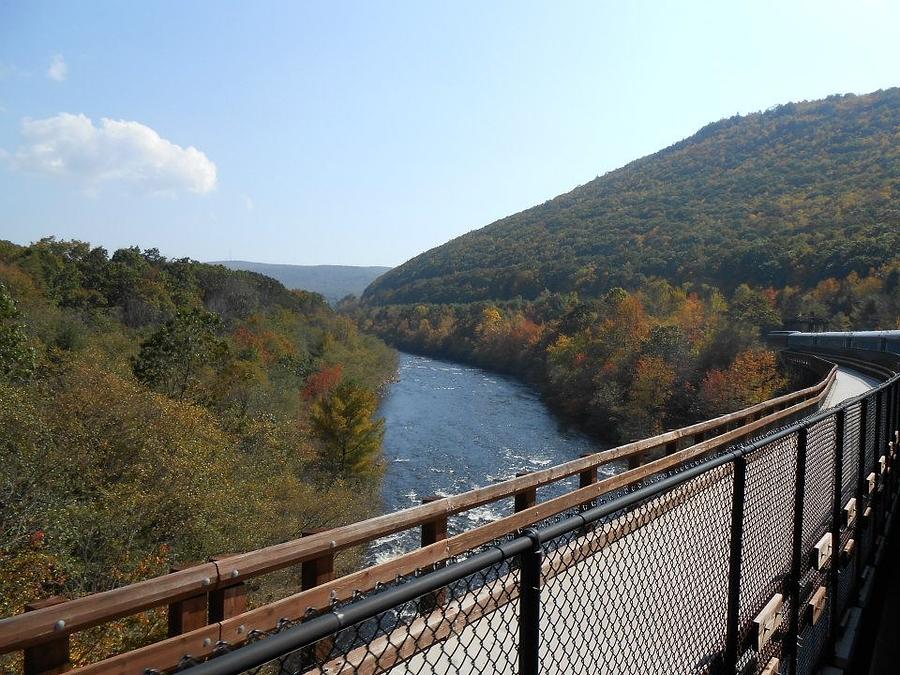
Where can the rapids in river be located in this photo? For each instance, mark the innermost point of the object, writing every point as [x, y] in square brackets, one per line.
[451, 428]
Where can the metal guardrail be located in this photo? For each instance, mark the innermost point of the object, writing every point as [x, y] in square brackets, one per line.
[207, 603]
[743, 563]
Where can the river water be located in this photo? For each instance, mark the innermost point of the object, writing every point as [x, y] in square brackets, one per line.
[451, 428]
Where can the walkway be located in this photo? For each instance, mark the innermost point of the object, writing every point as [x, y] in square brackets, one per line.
[849, 383]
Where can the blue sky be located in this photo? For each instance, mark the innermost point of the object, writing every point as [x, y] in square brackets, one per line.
[365, 133]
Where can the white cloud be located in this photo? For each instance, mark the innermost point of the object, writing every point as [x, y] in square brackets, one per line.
[71, 147]
[58, 68]
[248, 202]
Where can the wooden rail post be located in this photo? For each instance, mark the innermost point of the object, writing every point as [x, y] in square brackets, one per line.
[315, 572]
[51, 657]
[588, 476]
[585, 478]
[227, 600]
[319, 570]
[525, 499]
[635, 459]
[188, 614]
[433, 531]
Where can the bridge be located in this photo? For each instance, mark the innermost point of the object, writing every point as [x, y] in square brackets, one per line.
[749, 543]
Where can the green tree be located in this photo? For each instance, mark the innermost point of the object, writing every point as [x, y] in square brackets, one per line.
[343, 422]
[172, 359]
[16, 356]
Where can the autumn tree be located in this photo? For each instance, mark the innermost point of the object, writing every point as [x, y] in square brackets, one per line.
[322, 382]
[751, 378]
[650, 390]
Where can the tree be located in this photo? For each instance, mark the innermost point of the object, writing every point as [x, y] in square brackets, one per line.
[343, 421]
[16, 356]
[650, 390]
[753, 309]
[172, 358]
[751, 378]
[323, 381]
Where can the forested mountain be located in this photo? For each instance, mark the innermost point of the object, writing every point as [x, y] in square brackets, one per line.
[156, 412]
[791, 196]
[638, 302]
[334, 282]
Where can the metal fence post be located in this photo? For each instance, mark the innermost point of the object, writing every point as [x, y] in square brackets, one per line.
[836, 520]
[730, 656]
[895, 411]
[879, 401]
[860, 481]
[530, 605]
[791, 641]
[889, 444]
[892, 430]
[874, 500]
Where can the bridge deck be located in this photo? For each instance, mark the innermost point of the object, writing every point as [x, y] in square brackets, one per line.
[847, 384]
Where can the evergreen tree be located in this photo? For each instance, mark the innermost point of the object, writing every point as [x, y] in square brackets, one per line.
[344, 423]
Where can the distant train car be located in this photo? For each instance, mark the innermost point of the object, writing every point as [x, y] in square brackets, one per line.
[779, 338]
[833, 340]
[892, 342]
[880, 341]
[801, 340]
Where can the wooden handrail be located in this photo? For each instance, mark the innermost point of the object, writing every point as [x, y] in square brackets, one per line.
[19, 632]
[235, 630]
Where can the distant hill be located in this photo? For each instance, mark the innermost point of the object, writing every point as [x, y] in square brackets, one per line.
[332, 281]
[790, 196]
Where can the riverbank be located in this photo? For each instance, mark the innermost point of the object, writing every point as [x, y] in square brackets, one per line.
[622, 367]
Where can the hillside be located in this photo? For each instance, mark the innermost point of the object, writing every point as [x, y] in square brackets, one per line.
[793, 195]
[157, 411]
[332, 281]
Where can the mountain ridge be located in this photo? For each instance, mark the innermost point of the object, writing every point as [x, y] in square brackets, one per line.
[797, 193]
[334, 282]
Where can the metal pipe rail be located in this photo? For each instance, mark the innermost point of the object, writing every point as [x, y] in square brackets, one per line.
[783, 592]
[51, 624]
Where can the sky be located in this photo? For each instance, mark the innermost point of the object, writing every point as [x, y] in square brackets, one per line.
[364, 133]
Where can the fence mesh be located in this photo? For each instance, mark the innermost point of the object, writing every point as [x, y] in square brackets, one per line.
[618, 597]
[641, 582]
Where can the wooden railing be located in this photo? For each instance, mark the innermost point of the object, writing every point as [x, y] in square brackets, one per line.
[207, 602]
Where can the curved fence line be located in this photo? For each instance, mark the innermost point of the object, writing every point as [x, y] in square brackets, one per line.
[746, 563]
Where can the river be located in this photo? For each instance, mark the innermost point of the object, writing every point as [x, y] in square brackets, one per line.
[451, 428]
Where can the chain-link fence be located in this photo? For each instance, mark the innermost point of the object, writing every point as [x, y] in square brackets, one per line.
[744, 563]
